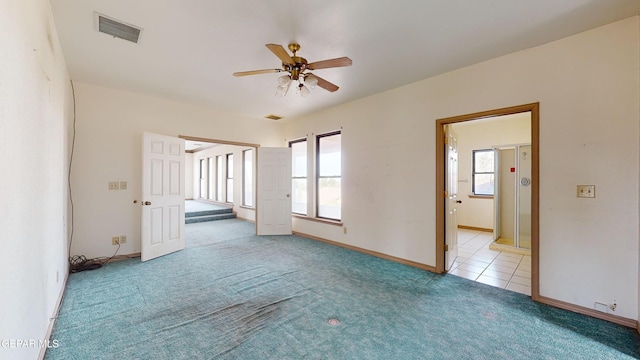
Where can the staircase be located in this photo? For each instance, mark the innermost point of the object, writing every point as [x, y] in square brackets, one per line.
[211, 213]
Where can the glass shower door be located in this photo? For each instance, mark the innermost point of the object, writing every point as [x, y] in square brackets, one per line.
[523, 206]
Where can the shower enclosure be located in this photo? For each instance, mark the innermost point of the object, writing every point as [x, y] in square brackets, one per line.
[512, 198]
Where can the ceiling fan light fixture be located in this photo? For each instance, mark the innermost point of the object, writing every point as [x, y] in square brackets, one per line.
[303, 90]
[281, 90]
[311, 81]
[284, 80]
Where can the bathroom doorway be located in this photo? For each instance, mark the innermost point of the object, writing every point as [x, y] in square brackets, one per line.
[470, 198]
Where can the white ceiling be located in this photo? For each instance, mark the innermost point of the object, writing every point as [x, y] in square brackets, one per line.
[188, 49]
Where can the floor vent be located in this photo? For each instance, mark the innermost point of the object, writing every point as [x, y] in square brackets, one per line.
[334, 322]
[117, 28]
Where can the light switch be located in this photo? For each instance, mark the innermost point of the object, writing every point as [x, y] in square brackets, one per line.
[586, 191]
[123, 185]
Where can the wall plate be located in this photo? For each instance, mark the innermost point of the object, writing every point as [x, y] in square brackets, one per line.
[586, 191]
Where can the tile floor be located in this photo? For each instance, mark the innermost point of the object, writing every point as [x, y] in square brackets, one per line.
[477, 262]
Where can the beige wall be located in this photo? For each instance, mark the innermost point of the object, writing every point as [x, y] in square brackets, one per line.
[35, 117]
[588, 89]
[110, 126]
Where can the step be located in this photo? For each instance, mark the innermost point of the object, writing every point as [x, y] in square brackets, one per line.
[208, 212]
[197, 219]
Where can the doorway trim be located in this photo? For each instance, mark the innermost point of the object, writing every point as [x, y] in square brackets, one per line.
[224, 142]
[534, 108]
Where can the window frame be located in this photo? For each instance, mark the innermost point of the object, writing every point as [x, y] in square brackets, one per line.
[219, 179]
[474, 172]
[210, 178]
[246, 186]
[318, 176]
[229, 178]
[306, 177]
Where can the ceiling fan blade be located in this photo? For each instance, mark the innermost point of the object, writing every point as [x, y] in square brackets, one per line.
[281, 53]
[325, 84]
[337, 62]
[256, 72]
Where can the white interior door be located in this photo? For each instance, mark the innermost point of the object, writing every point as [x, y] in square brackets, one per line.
[163, 177]
[451, 211]
[274, 191]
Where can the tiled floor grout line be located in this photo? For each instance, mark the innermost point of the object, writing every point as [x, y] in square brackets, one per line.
[471, 249]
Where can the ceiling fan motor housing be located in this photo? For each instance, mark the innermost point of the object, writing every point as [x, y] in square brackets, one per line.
[299, 66]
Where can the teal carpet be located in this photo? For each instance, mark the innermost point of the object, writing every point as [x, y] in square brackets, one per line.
[234, 295]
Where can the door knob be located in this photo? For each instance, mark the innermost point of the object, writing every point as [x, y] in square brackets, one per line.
[288, 195]
[147, 202]
[459, 201]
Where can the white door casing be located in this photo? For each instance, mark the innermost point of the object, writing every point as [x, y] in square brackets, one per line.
[274, 191]
[163, 176]
[451, 210]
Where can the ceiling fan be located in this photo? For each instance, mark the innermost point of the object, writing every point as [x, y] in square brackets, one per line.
[297, 67]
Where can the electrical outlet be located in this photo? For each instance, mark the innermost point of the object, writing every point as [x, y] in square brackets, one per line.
[123, 239]
[113, 185]
[123, 185]
[115, 240]
[604, 307]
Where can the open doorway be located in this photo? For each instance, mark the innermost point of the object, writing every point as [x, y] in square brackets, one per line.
[220, 180]
[447, 229]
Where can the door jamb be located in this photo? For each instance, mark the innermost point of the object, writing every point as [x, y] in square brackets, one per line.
[534, 108]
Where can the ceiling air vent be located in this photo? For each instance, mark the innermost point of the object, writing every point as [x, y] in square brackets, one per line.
[117, 28]
[273, 117]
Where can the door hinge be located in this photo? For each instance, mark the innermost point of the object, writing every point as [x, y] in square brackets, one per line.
[446, 247]
[446, 194]
[446, 139]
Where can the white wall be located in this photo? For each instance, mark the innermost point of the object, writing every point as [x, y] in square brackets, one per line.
[35, 118]
[243, 212]
[110, 126]
[477, 135]
[188, 176]
[588, 89]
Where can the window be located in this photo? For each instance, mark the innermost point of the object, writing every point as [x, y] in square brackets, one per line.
[203, 180]
[247, 181]
[299, 176]
[230, 178]
[329, 176]
[219, 178]
[483, 172]
[211, 184]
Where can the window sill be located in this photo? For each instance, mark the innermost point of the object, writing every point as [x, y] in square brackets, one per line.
[248, 207]
[320, 220]
[472, 196]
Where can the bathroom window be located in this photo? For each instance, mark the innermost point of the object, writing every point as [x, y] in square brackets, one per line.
[483, 172]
